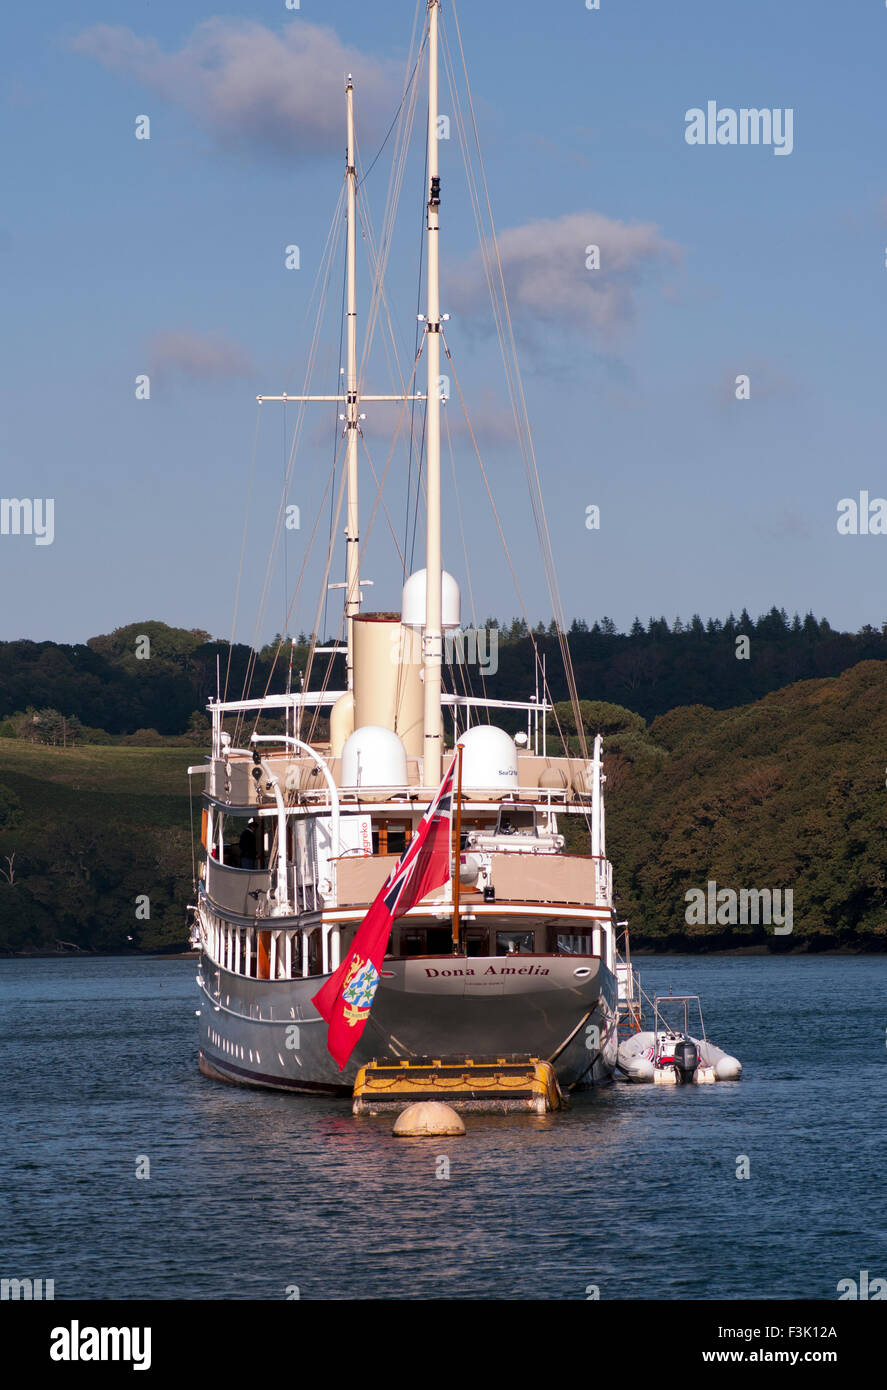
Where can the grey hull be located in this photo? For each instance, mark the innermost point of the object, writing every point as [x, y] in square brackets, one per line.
[561, 1009]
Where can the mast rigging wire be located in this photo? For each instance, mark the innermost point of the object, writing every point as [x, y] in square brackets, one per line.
[491, 260]
[320, 284]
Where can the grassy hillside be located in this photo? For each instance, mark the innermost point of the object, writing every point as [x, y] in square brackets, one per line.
[92, 829]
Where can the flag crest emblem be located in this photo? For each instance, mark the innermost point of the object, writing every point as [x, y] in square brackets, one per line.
[361, 984]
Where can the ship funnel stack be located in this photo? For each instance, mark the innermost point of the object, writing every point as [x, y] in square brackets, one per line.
[388, 678]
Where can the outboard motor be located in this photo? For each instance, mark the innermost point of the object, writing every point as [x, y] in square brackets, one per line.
[686, 1059]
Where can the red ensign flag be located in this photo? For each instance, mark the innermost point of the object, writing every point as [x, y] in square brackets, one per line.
[346, 998]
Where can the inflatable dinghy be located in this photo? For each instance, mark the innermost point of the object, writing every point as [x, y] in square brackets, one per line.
[672, 1058]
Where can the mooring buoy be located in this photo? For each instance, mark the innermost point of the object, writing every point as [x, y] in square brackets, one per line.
[427, 1117]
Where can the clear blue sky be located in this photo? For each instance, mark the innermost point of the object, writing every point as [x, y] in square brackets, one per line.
[122, 256]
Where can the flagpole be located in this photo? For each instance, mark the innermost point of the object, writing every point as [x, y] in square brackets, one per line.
[456, 876]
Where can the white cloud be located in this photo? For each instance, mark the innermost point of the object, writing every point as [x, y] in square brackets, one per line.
[546, 277]
[252, 88]
[491, 420]
[202, 356]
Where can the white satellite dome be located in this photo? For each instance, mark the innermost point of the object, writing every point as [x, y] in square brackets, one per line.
[489, 759]
[373, 759]
[413, 604]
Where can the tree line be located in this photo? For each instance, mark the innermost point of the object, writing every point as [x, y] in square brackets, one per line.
[148, 681]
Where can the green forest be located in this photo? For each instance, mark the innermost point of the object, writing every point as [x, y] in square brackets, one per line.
[148, 680]
[765, 771]
[788, 792]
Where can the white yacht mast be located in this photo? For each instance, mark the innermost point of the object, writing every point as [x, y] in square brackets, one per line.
[432, 643]
[597, 800]
[352, 533]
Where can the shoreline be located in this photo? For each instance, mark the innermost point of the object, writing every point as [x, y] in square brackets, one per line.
[99, 955]
[644, 946]
[725, 944]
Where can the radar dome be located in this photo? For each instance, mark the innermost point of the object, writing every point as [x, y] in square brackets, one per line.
[489, 759]
[413, 605]
[373, 759]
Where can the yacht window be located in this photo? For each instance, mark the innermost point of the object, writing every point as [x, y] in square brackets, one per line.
[439, 940]
[515, 820]
[397, 839]
[568, 945]
[510, 943]
[314, 953]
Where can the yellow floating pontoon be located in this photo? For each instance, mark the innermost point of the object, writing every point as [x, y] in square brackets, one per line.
[497, 1085]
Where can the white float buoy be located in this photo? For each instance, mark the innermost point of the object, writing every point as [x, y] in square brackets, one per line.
[427, 1117]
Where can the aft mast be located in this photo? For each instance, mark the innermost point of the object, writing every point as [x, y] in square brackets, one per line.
[352, 533]
[432, 653]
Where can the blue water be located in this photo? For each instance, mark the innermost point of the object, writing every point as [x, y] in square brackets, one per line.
[633, 1190]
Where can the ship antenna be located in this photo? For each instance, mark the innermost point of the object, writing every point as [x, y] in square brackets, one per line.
[432, 653]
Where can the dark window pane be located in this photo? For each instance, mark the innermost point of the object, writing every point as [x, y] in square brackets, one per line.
[510, 942]
[439, 940]
[569, 945]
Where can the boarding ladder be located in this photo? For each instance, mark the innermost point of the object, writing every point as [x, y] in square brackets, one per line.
[630, 994]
